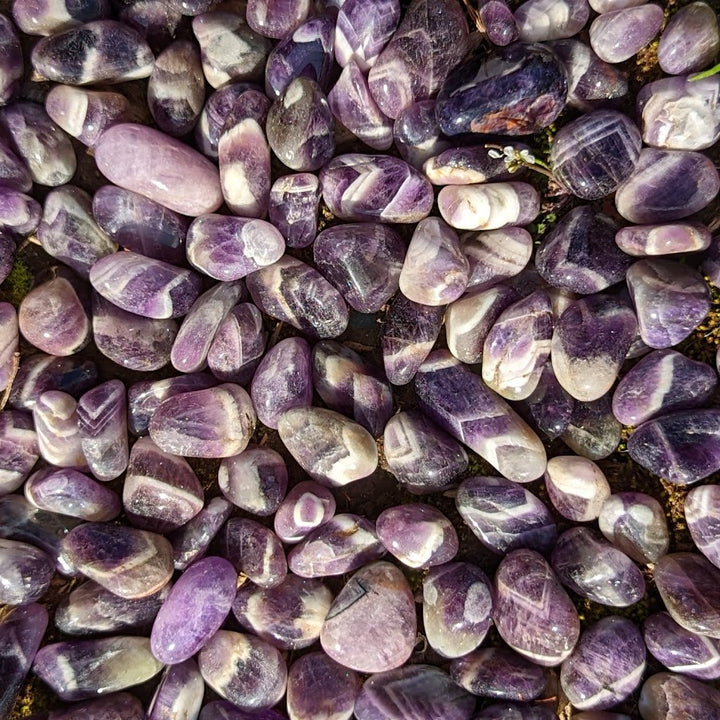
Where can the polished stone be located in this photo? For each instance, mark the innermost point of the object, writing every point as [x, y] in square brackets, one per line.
[255, 551]
[702, 506]
[191, 541]
[25, 573]
[667, 696]
[619, 34]
[362, 31]
[306, 506]
[577, 487]
[178, 694]
[293, 208]
[690, 40]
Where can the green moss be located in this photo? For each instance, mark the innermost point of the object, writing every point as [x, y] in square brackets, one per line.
[17, 284]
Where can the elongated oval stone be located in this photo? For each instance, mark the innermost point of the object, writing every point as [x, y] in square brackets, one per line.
[275, 18]
[293, 208]
[540, 20]
[82, 669]
[466, 165]
[371, 624]
[179, 692]
[665, 239]
[332, 449]
[577, 487]
[532, 612]
[191, 541]
[459, 401]
[56, 425]
[690, 40]
[667, 696]
[212, 423]
[307, 506]
[362, 32]
[255, 551]
[702, 505]
[194, 610]
[606, 666]
[161, 168]
[25, 572]
[619, 34]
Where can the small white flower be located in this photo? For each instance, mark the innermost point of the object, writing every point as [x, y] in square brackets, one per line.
[528, 157]
[494, 154]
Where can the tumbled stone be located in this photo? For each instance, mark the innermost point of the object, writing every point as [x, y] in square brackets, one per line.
[592, 431]
[14, 172]
[361, 32]
[577, 487]
[25, 573]
[9, 342]
[275, 18]
[509, 710]
[690, 40]
[619, 34]
[606, 666]
[371, 625]
[498, 22]
[18, 211]
[307, 506]
[191, 541]
[457, 603]
[255, 551]
[540, 20]
[417, 134]
[550, 407]
[532, 612]
[156, 21]
[666, 696]
[496, 255]
[11, 68]
[179, 692]
[668, 239]
[56, 425]
[293, 208]
[466, 165]
[701, 508]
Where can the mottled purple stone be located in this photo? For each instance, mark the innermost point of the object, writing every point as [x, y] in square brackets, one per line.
[592, 155]
[499, 673]
[11, 65]
[276, 18]
[14, 172]
[577, 487]
[69, 492]
[465, 165]
[128, 562]
[666, 239]
[342, 544]
[504, 515]
[255, 480]
[243, 669]
[498, 22]
[191, 541]
[430, 41]
[670, 298]
[681, 650]
[19, 212]
[307, 506]
[371, 625]
[282, 381]
[161, 491]
[362, 31]
[417, 134]
[293, 208]
[702, 506]
[550, 407]
[619, 34]
[155, 20]
[56, 425]
[532, 612]
[194, 610]
[179, 693]
[82, 669]
[667, 185]
[378, 188]
[90, 609]
[212, 423]
[318, 688]
[666, 696]
[25, 573]
[289, 615]
[293, 292]
[540, 20]
[517, 90]
[606, 666]
[594, 569]
[458, 400]
[46, 17]
[20, 635]
[690, 40]
[120, 706]
[255, 551]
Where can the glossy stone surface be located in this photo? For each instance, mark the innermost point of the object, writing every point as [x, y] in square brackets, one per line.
[255, 551]
[666, 696]
[517, 90]
[18, 211]
[56, 425]
[331, 448]
[179, 692]
[216, 422]
[130, 563]
[376, 188]
[14, 171]
[422, 457]
[457, 399]
[11, 68]
[681, 447]
[457, 603]
[532, 612]
[550, 407]
[306, 506]
[371, 624]
[276, 18]
[606, 666]
[362, 32]
[498, 21]
[509, 710]
[702, 505]
[293, 208]
[540, 20]
[194, 610]
[25, 573]
[191, 541]
[466, 165]
[677, 54]
[417, 135]
[577, 487]
[82, 669]
[619, 34]
[666, 239]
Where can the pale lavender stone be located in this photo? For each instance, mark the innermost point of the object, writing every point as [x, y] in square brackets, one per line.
[422, 691]
[504, 515]
[25, 573]
[430, 40]
[667, 185]
[592, 431]
[11, 67]
[499, 673]
[662, 382]
[604, 6]
[306, 506]
[361, 32]
[702, 505]
[681, 650]
[82, 669]
[191, 541]
[194, 610]
[457, 604]
[341, 545]
[282, 381]
[363, 260]
[212, 423]
[417, 134]
[19, 449]
[9, 341]
[498, 22]
[666, 696]
[376, 604]
[670, 298]
[294, 292]
[255, 480]
[243, 669]
[376, 188]
[46, 17]
[91, 609]
[276, 18]
[318, 688]
[532, 612]
[289, 615]
[594, 569]
[667, 239]
[128, 562]
[179, 693]
[540, 20]
[458, 400]
[56, 425]
[690, 40]
[69, 492]
[619, 34]
[606, 666]
[14, 172]
[205, 317]
[422, 457]
[255, 551]
[20, 635]
[577, 487]
[19, 212]
[161, 491]
[293, 208]
[550, 407]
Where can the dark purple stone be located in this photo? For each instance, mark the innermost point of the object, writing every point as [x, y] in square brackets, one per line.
[191, 541]
[550, 406]
[417, 134]
[666, 696]
[25, 573]
[19, 449]
[255, 551]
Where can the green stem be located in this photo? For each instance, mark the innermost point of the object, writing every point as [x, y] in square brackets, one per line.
[705, 73]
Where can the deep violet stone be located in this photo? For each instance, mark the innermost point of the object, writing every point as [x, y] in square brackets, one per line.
[255, 551]
[667, 696]
[25, 572]
[363, 30]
